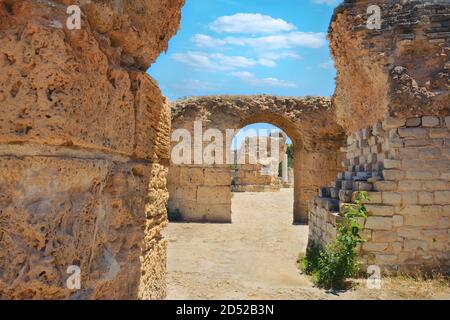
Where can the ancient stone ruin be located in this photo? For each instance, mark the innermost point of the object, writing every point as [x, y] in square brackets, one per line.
[392, 99]
[84, 149]
[258, 171]
[201, 191]
[85, 143]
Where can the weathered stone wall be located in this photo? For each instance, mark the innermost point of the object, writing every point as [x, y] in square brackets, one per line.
[315, 169]
[308, 121]
[409, 209]
[252, 178]
[84, 149]
[260, 173]
[397, 75]
[401, 70]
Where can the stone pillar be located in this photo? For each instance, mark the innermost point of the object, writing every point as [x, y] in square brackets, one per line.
[300, 212]
[291, 176]
[313, 169]
[285, 168]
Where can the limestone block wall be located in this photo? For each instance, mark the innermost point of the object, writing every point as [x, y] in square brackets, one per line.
[84, 149]
[409, 210]
[250, 178]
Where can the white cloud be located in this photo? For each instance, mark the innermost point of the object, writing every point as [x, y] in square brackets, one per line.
[218, 61]
[278, 55]
[328, 2]
[202, 40]
[192, 87]
[267, 62]
[250, 23]
[283, 41]
[195, 59]
[327, 65]
[273, 42]
[250, 78]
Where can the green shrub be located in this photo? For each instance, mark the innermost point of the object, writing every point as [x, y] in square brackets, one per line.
[174, 215]
[331, 266]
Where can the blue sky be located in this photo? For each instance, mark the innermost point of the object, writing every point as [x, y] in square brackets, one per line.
[249, 47]
[256, 129]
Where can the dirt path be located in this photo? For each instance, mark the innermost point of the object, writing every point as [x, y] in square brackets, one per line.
[254, 258]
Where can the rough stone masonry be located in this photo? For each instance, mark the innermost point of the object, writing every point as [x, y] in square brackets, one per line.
[258, 172]
[84, 148]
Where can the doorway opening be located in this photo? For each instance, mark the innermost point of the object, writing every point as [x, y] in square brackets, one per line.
[263, 163]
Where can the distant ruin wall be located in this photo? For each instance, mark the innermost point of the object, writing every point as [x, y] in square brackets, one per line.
[200, 193]
[84, 149]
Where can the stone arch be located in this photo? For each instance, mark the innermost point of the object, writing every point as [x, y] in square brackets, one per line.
[201, 192]
[392, 97]
[280, 121]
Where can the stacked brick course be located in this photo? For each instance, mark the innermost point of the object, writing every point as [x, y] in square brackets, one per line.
[398, 78]
[404, 165]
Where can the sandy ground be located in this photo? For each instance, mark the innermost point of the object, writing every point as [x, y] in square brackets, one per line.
[255, 258]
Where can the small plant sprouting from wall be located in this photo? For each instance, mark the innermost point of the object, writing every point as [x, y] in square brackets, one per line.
[338, 261]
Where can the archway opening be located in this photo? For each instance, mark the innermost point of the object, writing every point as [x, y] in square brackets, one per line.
[241, 260]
